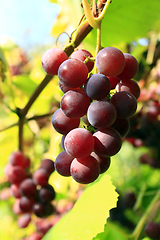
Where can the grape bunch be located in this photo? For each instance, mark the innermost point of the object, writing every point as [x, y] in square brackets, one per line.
[33, 193]
[94, 110]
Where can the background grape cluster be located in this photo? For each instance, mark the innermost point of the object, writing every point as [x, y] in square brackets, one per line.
[95, 109]
[33, 194]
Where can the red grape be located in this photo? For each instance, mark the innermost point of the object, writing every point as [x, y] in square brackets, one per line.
[26, 204]
[129, 86]
[52, 59]
[104, 162]
[81, 54]
[125, 104]
[110, 61]
[41, 177]
[28, 187]
[47, 194]
[17, 159]
[48, 165]
[108, 142]
[113, 81]
[152, 230]
[62, 163]
[122, 125]
[35, 236]
[85, 170]
[79, 143]
[16, 175]
[130, 69]
[75, 103]
[73, 73]
[15, 190]
[101, 114]
[65, 89]
[24, 220]
[62, 123]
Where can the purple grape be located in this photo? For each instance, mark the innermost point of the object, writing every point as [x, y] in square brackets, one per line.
[97, 86]
[101, 114]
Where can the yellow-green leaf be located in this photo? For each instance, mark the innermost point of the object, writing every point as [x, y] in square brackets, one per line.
[88, 216]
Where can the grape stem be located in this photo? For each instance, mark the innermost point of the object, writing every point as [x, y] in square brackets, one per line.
[98, 46]
[94, 22]
[141, 223]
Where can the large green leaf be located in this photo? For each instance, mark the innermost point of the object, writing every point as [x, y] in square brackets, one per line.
[111, 232]
[127, 20]
[88, 216]
[124, 21]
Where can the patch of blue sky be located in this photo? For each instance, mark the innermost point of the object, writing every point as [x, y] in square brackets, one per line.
[27, 22]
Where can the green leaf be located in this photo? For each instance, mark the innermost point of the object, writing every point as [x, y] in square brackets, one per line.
[88, 216]
[24, 83]
[112, 232]
[126, 21]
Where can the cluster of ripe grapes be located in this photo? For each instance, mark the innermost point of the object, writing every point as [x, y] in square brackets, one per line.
[103, 101]
[33, 193]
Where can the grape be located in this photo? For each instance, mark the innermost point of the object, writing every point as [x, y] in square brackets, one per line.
[41, 177]
[75, 103]
[16, 175]
[47, 194]
[113, 81]
[24, 220]
[101, 114]
[48, 165]
[110, 61]
[27, 162]
[43, 209]
[52, 59]
[108, 142]
[15, 190]
[65, 89]
[125, 104]
[79, 143]
[17, 159]
[130, 69]
[36, 236]
[104, 162]
[62, 123]
[62, 142]
[81, 54]
[26, 204]
[43, 226]
[152, 230]
[122, 125]
[73, 73]
[8, 169]
[16, 207]
[85, 170]
[62, 163]
[129, 200]
[39, 209]
[129, 86]
[97, 86]
[28, 188]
